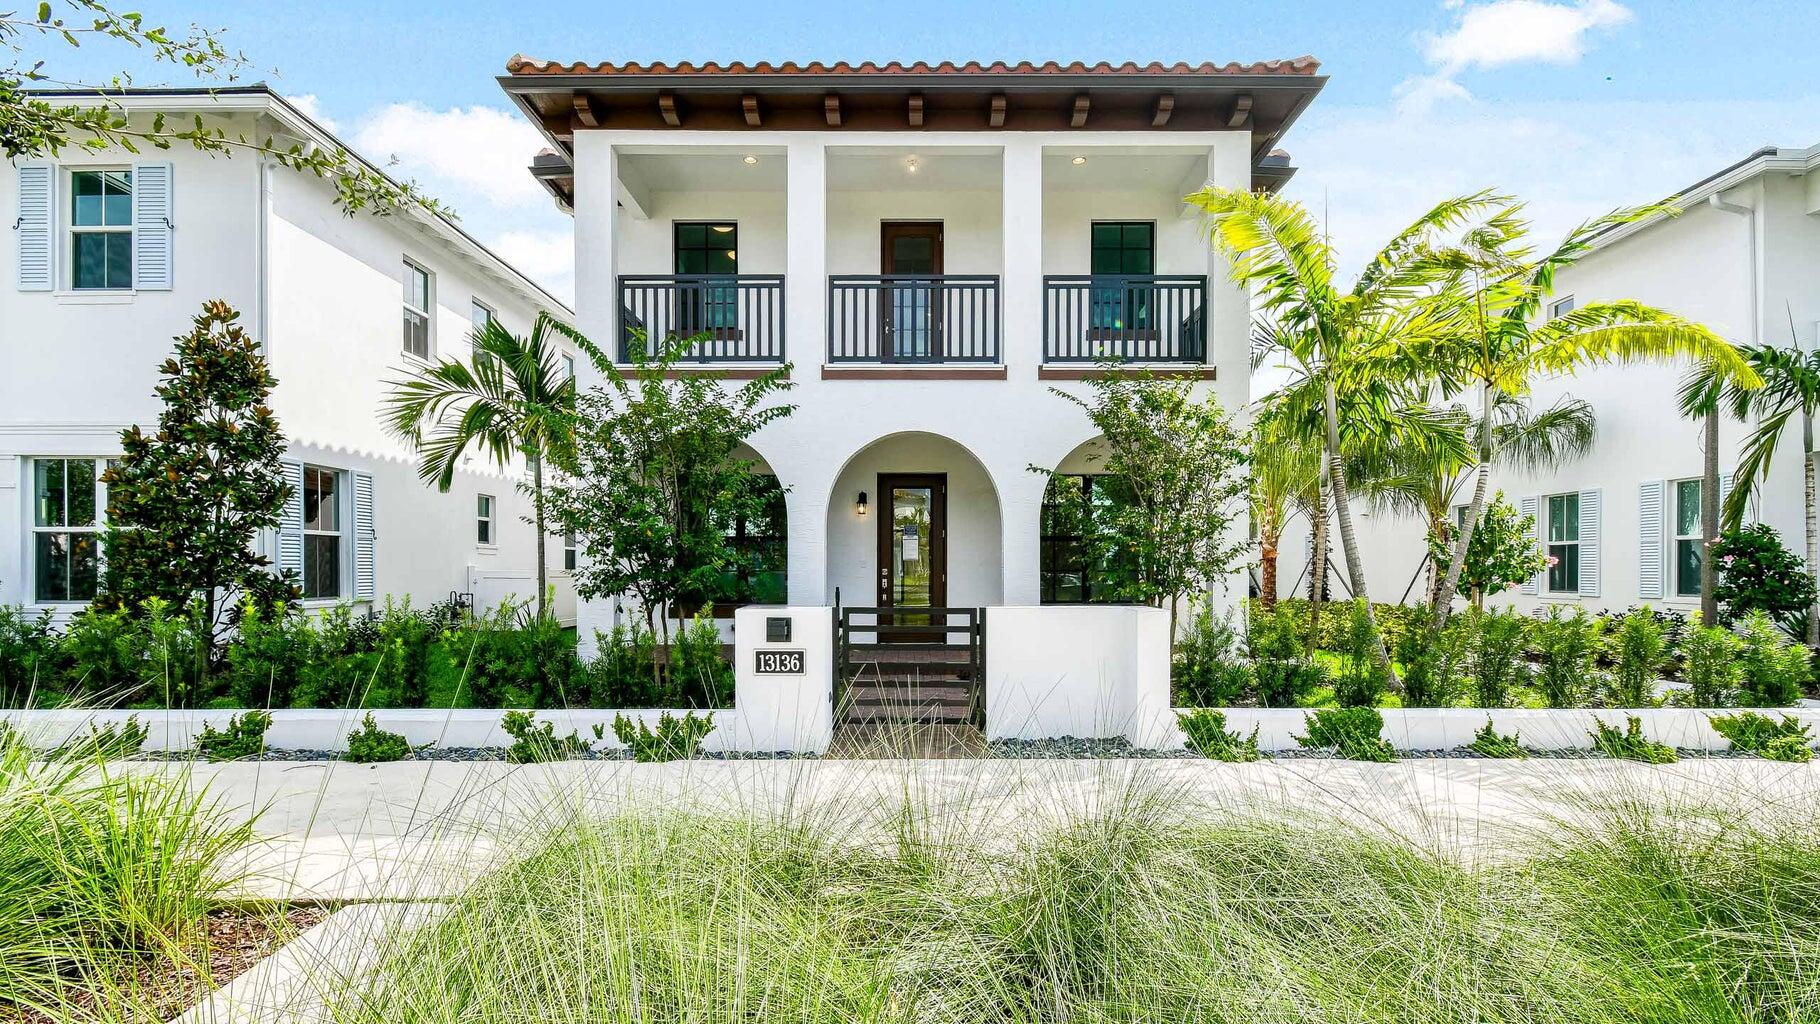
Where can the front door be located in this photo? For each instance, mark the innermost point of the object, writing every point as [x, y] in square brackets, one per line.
[911, 310]
[913, 544]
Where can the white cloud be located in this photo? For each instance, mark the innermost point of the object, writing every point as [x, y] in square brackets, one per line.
[312, 108]
[1518, 31]
[1502, 32]
[475, 150]
[547, 257]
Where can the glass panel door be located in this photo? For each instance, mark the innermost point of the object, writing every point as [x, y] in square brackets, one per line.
[913, 544]
[912, 308]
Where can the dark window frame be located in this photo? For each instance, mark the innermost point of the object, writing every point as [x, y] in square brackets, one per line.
[711, 308]
[1115, 308]
[1051, 543]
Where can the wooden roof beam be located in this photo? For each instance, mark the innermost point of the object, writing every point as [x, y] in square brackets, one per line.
[1079, 118]
[1165, 105]
[997, 118]
[916, 110]
[749, 105]
[1241, 112]
[831, 109]
[666, 105]
[587, 115]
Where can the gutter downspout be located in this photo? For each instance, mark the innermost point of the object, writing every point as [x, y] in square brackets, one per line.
[1718, 202]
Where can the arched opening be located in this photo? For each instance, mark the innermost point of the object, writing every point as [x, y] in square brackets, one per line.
[759, 537]
[914, 519]
[1076, 564]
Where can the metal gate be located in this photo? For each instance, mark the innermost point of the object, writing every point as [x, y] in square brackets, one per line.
[890, 671]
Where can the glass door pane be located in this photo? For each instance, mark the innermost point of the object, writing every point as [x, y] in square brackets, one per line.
[912, 549]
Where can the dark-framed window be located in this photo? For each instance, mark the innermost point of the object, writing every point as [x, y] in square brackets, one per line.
[707, 247]
[1079, 564]
[1122, 248]
[761, 544]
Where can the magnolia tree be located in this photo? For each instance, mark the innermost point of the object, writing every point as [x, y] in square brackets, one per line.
[1180, 466]
[654, 479]
[1502, 553]
[185, 503]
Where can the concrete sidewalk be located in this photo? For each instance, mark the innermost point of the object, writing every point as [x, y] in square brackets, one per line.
[424, 830]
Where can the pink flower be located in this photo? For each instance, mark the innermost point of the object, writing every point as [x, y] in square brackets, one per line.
[1553, 561]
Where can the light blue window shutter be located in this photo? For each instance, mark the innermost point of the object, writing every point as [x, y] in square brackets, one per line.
[1652, 503]
[36, 201]
[152, 212]
[1725, 493]
[1589, 542]
[290, 526]
[366, 536]
[1528, 507]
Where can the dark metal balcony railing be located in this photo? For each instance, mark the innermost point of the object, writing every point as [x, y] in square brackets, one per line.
[1157, 318]
[901, 318]
[734, 318]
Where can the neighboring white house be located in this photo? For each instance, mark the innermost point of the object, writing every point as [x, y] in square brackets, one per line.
[112, 254]
[1743, 258]
[931, 249]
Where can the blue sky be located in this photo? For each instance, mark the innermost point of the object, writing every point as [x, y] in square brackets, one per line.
[1576, 105]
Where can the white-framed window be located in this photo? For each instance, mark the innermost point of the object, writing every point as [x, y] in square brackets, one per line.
[568, 366]
[1690, 546]
[480, 314]
[1562, 306]
[101, 230]
[483, 519]
[417, 299]
[1564, 543]
[68, 502]
[322, 534]
[568, 551]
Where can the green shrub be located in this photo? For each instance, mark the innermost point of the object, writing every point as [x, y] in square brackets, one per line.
[515, 658]
[1355, 733]
[370, 744]
[244, 736]
[1488, 743]
[1710, 664]
[1279, 659]
[1567, 643]
[104, 652]
[270, 656]
[1774, 671]
[675, 739]
[405, 641]
[1631, 744]
[173, 667]
[1434, 661]
[1206, 734]
[1757, 573]
[1209, 670]
[698, 672]
[31, 658]
[1500, 639]
[1787, 740]
[1638, 652]
[535, 742]
[105, 742]
[1361, 680]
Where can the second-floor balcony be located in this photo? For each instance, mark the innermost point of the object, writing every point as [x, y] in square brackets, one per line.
[1140, 318]
[903, 318]
[729, 318]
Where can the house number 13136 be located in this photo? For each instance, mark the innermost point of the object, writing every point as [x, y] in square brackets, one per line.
[779, 663]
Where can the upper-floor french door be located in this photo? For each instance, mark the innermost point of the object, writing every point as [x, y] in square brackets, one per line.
[912, 309]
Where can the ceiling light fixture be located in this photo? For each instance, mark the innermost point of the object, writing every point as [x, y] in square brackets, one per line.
[910, 165]
[1079, 160]
[749, 158]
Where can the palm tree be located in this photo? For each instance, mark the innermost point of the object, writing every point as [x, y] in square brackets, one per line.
[1426, 483]
[1286, 468]
[511, 400]
[1336, 339]
[1791, 386]
[1504, 341]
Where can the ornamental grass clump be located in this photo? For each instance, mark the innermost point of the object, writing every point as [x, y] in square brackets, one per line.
[1206, 735]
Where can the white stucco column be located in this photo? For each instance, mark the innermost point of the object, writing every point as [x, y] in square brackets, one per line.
[1020, 496]
[596, 234]
[1229, 333]
[806, 255]
[1021, 280]
[806, 549]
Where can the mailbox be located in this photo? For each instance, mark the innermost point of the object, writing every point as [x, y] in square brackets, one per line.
[777, 629]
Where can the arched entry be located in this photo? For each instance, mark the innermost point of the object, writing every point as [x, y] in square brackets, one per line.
[928, 530]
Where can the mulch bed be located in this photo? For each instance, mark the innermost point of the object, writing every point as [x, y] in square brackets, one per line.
[234, 939]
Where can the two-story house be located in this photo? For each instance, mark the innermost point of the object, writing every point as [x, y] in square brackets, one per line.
[113, 253]
[932, 249]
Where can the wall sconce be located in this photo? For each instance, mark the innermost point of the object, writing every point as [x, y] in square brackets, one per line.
[859, 507]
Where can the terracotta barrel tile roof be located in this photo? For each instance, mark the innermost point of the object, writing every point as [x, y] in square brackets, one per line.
[523, 65]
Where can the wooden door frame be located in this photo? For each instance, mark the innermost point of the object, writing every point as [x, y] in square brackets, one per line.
[938, 527]
[888, 230]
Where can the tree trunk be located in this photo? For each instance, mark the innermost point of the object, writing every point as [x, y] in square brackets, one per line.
[1809, 519]
[1709, 520]
[1267, 570]
[1355, 567]
[1456, 563]
[1317, 572]
[543, 568]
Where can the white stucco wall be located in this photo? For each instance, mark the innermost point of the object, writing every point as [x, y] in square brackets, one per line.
[322, 291]
[1082, 671]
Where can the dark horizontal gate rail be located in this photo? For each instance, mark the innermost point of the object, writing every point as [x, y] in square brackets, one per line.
[905, 318]
[896, 646]
[734, 318]
[1157, 318]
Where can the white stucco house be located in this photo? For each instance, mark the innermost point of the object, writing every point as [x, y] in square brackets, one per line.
[1742, 258]
[931, 249]
[111, 255]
